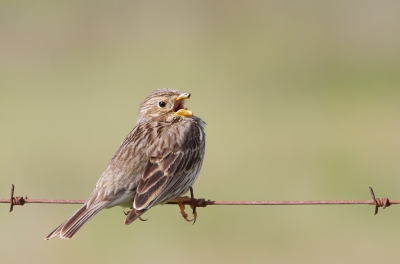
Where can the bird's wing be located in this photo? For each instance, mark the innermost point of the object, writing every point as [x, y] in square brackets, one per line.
[171, 158]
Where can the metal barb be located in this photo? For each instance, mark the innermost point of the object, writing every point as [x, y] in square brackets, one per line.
[379, 202]
[19, 200]
[12, 198]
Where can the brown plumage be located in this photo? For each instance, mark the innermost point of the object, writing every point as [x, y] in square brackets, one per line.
[158, 161]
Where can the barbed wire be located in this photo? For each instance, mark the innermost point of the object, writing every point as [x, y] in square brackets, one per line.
[377, 202]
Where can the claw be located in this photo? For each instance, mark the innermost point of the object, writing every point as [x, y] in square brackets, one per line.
[141, 219]
[125, 213]
[184, 214]
[194, 213]
[193, 206]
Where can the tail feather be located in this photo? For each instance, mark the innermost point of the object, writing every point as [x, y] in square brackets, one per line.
[54, 233]
[69, 228]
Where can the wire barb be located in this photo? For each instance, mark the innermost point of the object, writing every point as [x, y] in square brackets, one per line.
[19, 200]
[379, 202]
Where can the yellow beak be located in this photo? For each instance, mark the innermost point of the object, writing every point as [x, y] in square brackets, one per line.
[183, 96]
[183, 112]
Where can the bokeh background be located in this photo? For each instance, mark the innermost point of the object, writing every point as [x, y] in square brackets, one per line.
[301, 100]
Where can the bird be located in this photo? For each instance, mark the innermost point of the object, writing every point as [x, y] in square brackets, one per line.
[158, 161]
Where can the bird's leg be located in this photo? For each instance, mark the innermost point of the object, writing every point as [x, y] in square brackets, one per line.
[193, 206]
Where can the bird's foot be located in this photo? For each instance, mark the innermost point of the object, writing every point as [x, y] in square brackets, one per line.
[126, 212]
[193, 203]
[180, 201]
[141, 219]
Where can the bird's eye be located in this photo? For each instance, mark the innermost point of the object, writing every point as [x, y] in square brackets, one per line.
[161, 104]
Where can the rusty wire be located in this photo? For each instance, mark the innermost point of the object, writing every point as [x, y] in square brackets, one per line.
[377, 202]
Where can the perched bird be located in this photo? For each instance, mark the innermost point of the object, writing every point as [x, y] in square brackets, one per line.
[158, 161]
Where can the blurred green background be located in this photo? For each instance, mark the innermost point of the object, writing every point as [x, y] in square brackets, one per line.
[301, 100]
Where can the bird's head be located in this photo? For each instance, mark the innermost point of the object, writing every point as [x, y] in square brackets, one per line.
[165, 105]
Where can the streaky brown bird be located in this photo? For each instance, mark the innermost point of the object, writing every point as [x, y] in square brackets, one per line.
[158, 161]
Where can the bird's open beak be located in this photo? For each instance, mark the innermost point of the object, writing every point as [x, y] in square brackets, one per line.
[178, 107]
[183, 96]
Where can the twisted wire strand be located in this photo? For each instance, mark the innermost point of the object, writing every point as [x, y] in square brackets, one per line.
[378, 202]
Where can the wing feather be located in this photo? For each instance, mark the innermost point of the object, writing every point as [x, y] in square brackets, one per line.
[172, 156]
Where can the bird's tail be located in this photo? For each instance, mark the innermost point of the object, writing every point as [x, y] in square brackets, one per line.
[69, 228]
